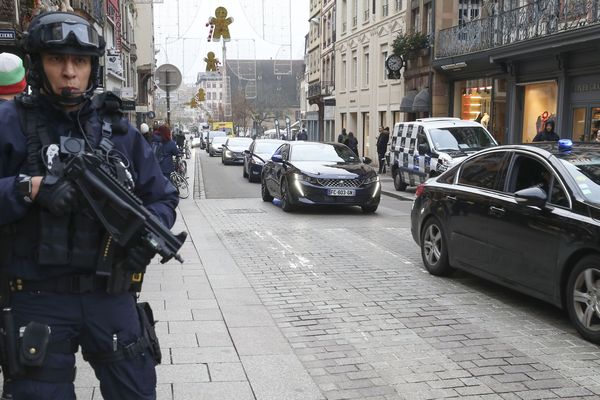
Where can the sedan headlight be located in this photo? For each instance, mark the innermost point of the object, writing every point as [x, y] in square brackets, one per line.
[370, 180]
[227, 153]
[444, 162]
[305, 178]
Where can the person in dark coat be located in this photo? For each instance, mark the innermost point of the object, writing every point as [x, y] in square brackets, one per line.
[165, 149]
[302, 135]
[53, 247]
[352, 143]
[382, 143]
[342, 137]
[548, 134]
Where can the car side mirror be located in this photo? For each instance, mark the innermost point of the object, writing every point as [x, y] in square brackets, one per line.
[532, 196]
[423, 148]
[246, 151]
[277, 158]
[367, 160]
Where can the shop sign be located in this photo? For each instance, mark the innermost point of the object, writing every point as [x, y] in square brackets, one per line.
[113, 62]
[7, 35]
[127, 92]
[128, 105]
[587, 87]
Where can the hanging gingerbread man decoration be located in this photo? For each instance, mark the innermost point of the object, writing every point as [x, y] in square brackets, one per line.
[219, 25]
[211, 62]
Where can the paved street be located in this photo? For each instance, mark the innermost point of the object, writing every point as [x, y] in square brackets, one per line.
[334, 304]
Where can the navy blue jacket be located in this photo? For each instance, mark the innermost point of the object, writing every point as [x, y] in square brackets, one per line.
[157, 194]
[167, 151]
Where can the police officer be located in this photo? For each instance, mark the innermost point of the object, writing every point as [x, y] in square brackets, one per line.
[49, 240]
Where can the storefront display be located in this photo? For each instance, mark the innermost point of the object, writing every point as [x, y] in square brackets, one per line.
[475, 100]
[540, 103]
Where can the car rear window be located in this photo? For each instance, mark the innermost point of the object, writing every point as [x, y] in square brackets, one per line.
[461, 138]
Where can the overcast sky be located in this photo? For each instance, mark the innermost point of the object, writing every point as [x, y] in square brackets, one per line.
[181, 36]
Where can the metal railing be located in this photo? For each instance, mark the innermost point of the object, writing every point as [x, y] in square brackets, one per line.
[541, 18]
[322, 88]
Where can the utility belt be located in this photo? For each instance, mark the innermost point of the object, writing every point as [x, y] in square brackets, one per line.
[24, 351]
[119, 281]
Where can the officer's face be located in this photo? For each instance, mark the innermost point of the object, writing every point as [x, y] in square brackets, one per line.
[67, 71]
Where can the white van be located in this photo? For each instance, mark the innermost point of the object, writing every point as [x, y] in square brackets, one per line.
[429, 146]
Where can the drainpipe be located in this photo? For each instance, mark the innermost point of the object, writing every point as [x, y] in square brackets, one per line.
[431, 57]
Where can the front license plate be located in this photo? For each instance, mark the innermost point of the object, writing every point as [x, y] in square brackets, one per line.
[341, 192]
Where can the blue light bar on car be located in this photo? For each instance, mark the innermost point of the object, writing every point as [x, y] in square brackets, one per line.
[565, 145]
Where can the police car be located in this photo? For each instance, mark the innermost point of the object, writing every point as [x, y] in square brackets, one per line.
[429, 146]
[523, 216]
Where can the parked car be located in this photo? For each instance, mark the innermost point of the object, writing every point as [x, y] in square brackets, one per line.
[312, 173]
[213, 134]
[233, 149]
[215, 146]
[196, 142]
[203, 139]
[429, 146]
[260, 151]
[524, 216]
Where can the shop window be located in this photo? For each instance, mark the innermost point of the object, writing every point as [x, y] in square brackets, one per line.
[474, 97]
[578, 128]
[540, 102]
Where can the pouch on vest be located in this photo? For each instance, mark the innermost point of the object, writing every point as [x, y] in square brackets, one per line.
[54, 239]
[85, 241]
[34, 344]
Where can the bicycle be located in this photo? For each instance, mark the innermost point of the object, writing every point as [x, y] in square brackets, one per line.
[187, 150]
[180, 165]
[181, 184]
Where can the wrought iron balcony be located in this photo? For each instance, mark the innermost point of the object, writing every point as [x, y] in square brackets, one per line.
[319, 89]
[540, 18]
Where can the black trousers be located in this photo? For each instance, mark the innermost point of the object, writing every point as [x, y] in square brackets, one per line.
[381, 162]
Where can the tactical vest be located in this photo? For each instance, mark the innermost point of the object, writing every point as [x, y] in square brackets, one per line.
[74, 240]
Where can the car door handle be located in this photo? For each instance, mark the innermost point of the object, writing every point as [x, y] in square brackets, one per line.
[450, 198]
[497, 211]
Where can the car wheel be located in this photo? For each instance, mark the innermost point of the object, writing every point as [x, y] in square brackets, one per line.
[370, 209]
[264, 191]
[286, 205]
[399, 182]
[583, 297]
[434, 248]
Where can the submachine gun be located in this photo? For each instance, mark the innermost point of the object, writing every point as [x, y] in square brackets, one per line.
[107, 188]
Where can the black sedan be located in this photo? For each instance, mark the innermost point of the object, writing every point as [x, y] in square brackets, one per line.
[260, 151]
[234, 148]
[523, 216]
[310, 173]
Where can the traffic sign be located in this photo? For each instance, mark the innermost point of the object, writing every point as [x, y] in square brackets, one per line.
[168, 77]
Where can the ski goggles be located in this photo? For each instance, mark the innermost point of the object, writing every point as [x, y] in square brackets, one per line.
[64, 32]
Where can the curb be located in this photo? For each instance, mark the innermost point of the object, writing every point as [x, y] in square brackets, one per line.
[396, 196]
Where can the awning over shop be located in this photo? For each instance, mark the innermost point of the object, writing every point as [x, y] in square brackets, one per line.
[406, 105]
[422, 101]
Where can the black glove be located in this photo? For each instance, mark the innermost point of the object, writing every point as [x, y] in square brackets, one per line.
[138, 258]
[59, 196]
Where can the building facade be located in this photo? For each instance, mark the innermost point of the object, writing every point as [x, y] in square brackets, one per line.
[514, 64]
[315, 112]
[366, 98]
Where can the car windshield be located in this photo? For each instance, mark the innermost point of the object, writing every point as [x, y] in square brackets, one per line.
[219, 140]
[323, 152]
[239, 141]
[585, 170]
[266, 147]
[463, 138]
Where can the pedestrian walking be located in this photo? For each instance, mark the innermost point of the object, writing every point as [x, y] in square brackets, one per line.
[12, 76]
[342, 137]
[382, 143]
[352, 143]
[53, 248]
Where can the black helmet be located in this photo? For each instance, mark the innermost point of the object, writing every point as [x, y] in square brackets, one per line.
[62, 33]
